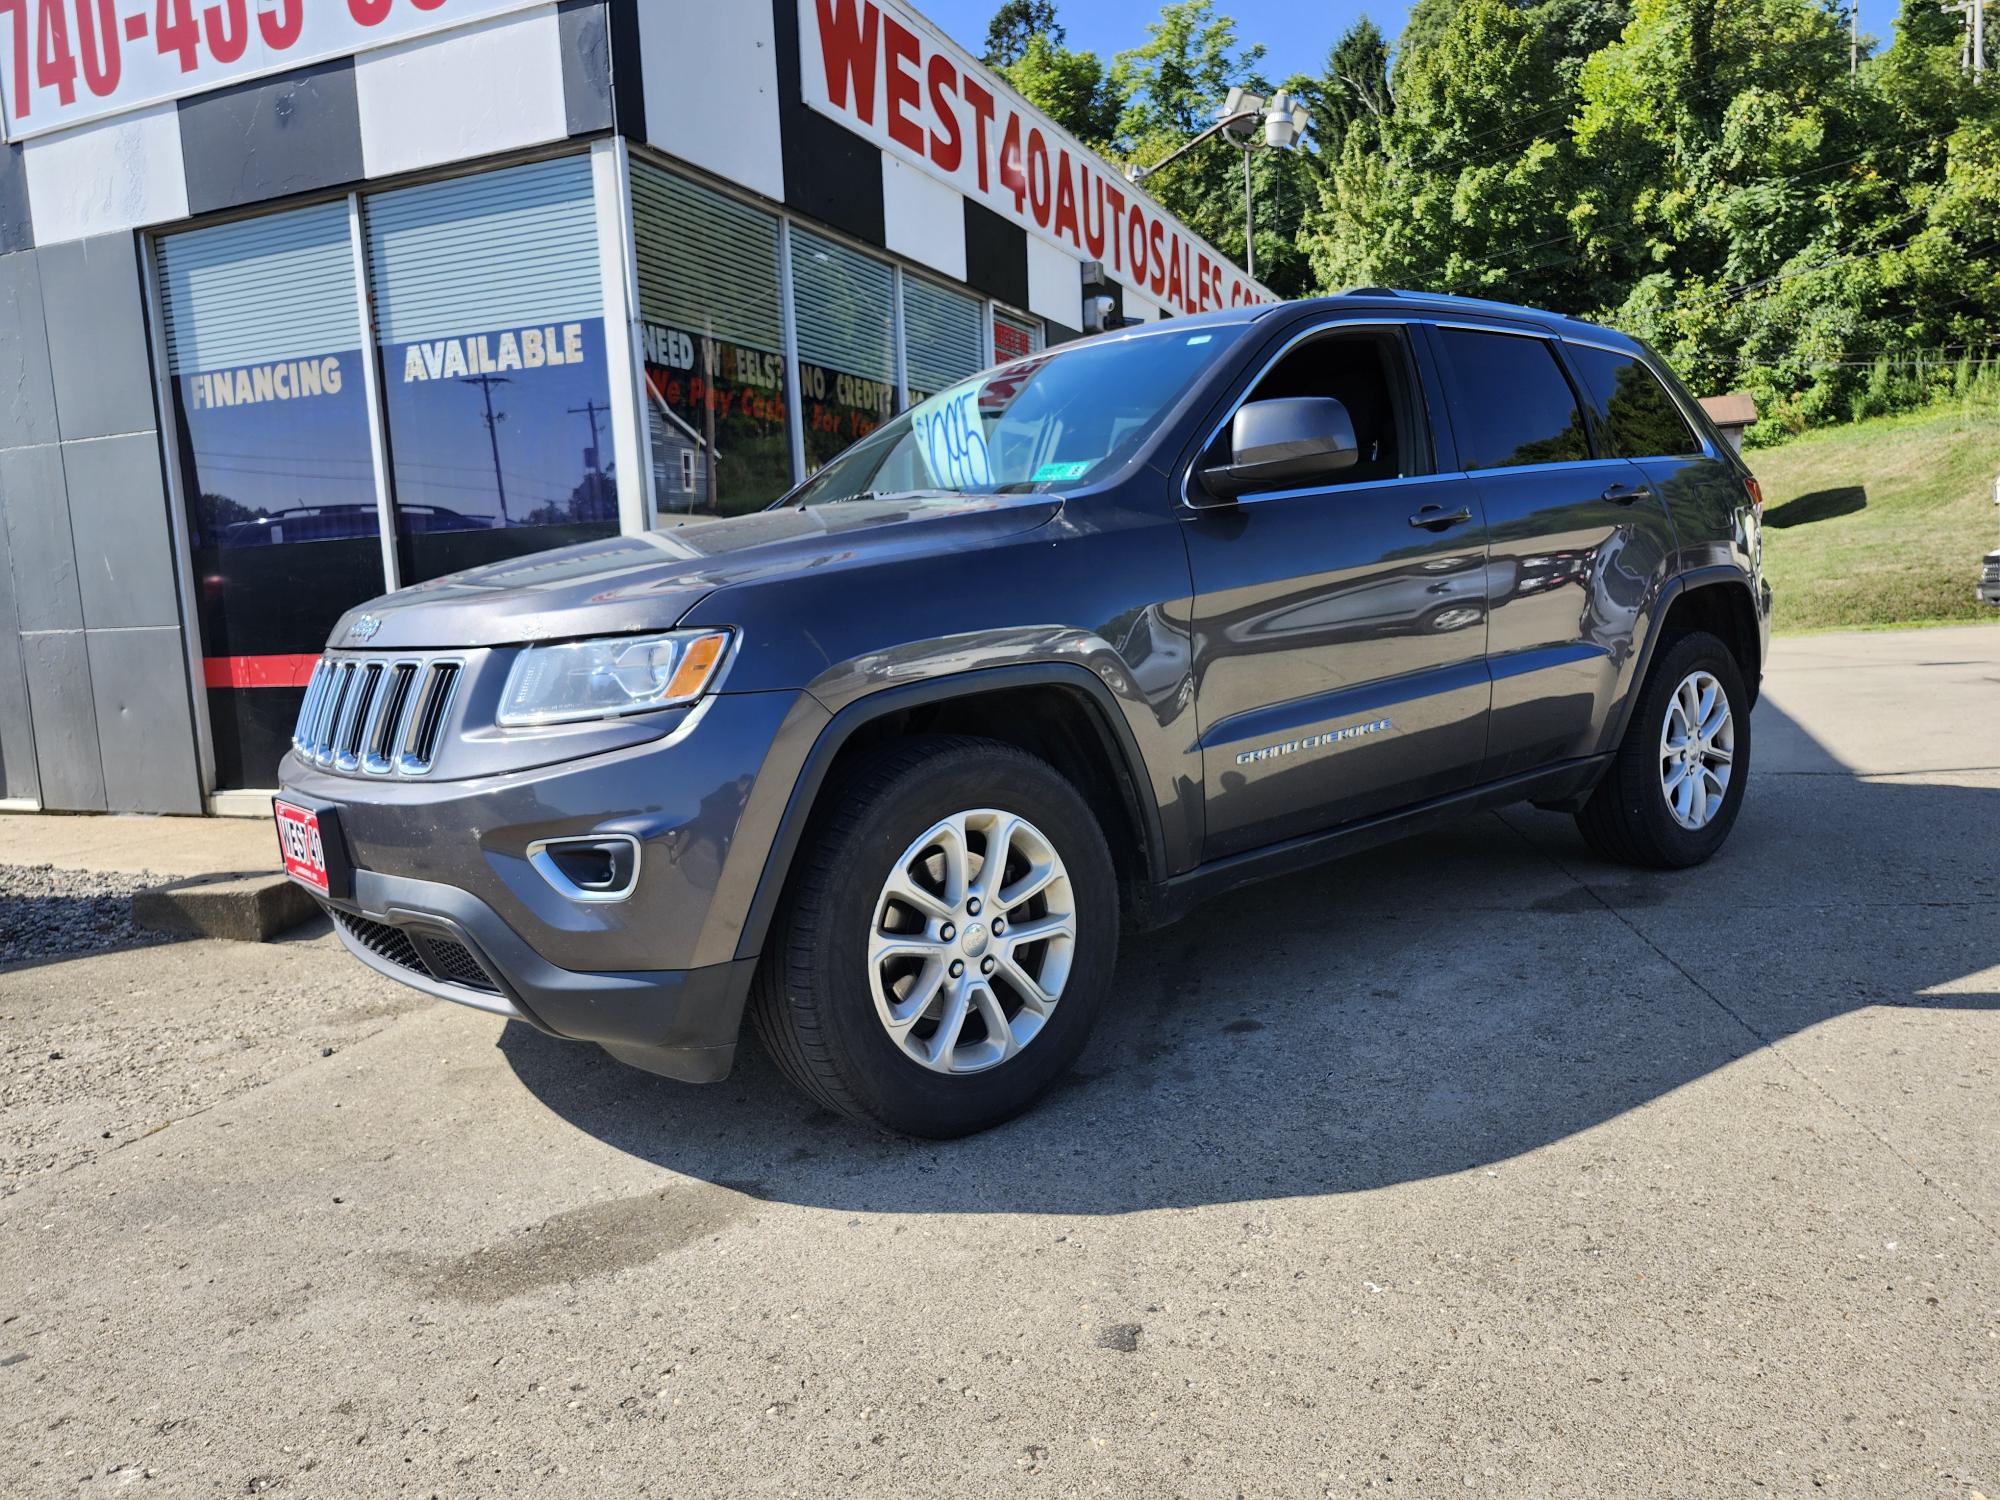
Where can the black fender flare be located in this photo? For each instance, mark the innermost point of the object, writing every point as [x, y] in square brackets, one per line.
[834, 735]
[1716, 575]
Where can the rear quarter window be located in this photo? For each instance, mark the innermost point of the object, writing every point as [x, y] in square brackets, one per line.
[1634, 412]
[1511, 403]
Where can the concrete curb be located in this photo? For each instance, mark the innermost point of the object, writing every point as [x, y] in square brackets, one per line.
[248, 908]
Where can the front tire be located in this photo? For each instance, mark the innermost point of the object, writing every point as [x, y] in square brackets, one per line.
[888, 993]
[1677, 779]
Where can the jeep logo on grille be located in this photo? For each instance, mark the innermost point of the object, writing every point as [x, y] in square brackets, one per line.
[364, 628]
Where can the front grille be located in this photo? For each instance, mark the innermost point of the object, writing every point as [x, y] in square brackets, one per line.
[1991, 573]
[376, 716]
[433, 957]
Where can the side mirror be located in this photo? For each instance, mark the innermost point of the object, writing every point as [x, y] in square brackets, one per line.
[1284, 443]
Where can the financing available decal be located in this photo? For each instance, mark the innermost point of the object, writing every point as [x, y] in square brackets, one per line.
[1315, 741]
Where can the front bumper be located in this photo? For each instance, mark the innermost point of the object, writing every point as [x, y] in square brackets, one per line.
[445, 897]
[448, 943]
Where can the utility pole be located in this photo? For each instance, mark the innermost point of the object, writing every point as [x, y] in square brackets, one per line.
[1854, 38]
[1972, 55]
[589, 411]
[486, 384]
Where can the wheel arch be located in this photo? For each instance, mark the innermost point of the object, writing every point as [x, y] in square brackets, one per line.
[1716, 599]
[1072, 721]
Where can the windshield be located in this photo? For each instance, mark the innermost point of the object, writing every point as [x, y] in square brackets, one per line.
[1055, 418]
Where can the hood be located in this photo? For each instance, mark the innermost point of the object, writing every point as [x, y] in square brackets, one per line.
[628, 584]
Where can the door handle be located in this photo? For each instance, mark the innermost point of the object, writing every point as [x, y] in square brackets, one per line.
[1627, 494]
[1436, 517]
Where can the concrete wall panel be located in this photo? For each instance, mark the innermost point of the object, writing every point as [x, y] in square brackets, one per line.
[490, 87]
[17, 735]
[34, 513]
[145, 734]
[17, 227]
[271, 137]
[27, 388]
[1055, 283]
[118, 512]
[712, 94]
[922, 218]
[105, 177]
[65, 716]
[96, 321]
[586, 64]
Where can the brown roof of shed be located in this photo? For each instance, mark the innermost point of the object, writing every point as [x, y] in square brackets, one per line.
[1732, 409]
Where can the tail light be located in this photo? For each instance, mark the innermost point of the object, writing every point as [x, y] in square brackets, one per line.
[1756, 493]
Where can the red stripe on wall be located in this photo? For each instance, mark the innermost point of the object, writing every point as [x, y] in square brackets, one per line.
[257, 671]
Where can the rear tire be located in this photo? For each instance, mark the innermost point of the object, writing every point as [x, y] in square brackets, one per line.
[856, 999]
[1671, 796]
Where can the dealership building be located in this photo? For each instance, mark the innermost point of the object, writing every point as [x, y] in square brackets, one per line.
[303, 300]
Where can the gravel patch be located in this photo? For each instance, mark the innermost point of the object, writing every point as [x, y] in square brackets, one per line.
[50, 913]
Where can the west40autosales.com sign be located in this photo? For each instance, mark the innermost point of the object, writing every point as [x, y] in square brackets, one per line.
[885, 73]
[63, 62]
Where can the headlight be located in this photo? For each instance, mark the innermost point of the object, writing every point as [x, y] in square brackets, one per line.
[604, 679]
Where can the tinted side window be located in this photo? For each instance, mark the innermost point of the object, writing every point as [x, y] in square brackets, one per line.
[1634, 411]
[1510, 402]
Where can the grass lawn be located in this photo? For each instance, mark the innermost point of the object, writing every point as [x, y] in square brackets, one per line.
[1882, 522]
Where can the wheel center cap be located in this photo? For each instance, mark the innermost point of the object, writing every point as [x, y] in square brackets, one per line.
[973, 939]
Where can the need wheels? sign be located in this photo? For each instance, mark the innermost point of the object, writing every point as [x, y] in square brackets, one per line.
[63, 62]
[887, 74]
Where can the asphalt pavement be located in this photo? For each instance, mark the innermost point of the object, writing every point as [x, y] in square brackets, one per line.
[1473, 1164]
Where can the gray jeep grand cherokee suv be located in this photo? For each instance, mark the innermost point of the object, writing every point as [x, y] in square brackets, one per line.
[1054, 654]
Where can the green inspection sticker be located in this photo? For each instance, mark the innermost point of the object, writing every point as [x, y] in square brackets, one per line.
[1061, 471]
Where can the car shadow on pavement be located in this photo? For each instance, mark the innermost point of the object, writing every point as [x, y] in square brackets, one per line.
[1438, 1005]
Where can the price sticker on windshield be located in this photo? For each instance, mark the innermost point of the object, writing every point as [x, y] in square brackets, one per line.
[950, 439]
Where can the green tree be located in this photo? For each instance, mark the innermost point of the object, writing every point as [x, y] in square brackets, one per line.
[1072, 88]
[1017, 23]
[1925, 23]
[1467, 186]
[1173, 87]
[1353, 88]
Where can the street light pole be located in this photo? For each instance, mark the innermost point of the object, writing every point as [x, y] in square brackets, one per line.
[1249, 222]
[1283, 124]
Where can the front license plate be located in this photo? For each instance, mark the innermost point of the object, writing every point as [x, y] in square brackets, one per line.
[301, 847]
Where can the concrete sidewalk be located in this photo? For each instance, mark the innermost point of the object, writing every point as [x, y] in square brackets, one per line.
[132, 844]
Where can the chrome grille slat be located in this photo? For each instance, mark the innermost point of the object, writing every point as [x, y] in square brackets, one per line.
[329, 714]
[378, 742]
[360, 708]
[427, 716]
[315, 685]
[376, 715]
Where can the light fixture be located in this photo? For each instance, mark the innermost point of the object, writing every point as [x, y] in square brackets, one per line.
[1284, 122]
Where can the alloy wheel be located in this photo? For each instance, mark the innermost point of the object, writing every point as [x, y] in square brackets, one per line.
[971, 943]
[1697, 750]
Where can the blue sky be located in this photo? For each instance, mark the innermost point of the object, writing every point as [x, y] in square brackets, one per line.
[1295, 35]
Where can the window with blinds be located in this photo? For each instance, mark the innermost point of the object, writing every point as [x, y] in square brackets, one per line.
[843, 303]
[490, 329]
[1015, 337]
[712, 335]
[941, 342]
[262, 325]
